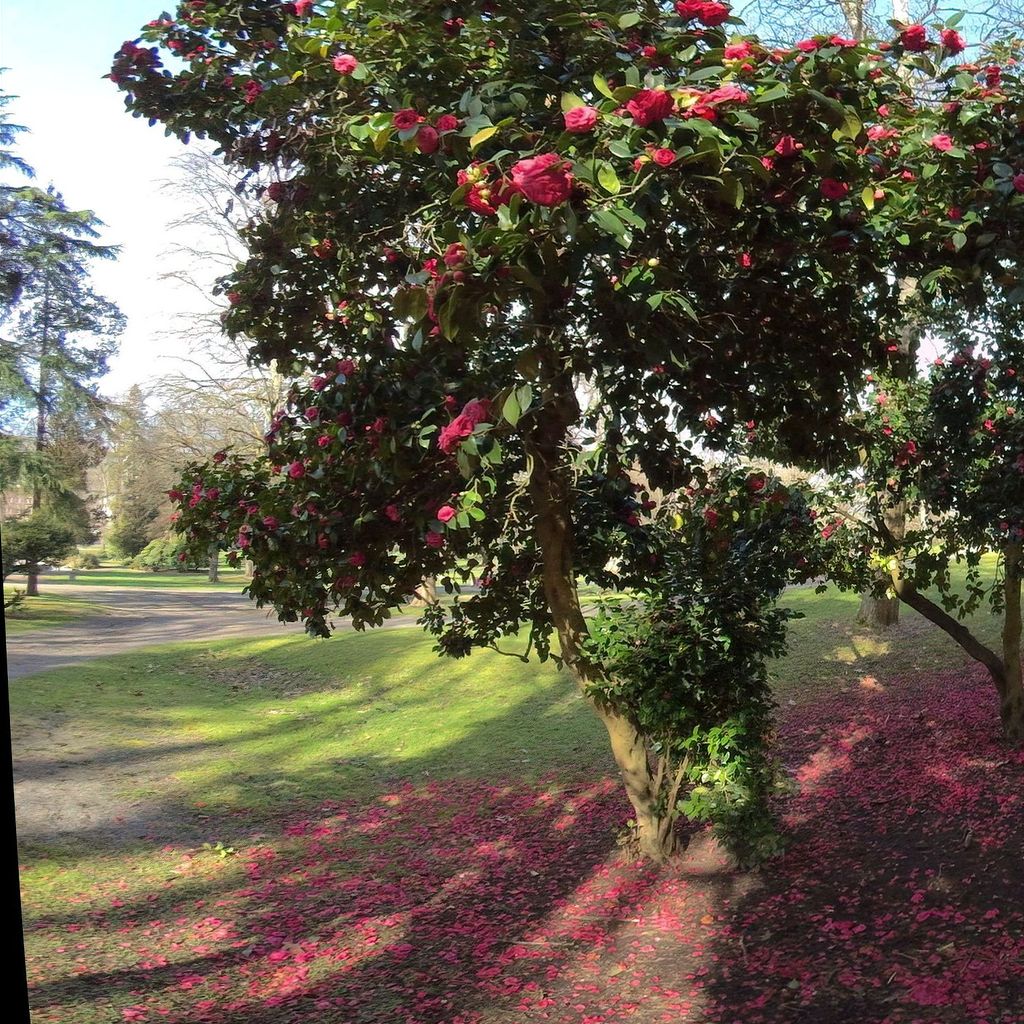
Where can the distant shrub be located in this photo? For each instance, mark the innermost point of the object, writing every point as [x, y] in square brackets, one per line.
[163, 554]
[83, 561]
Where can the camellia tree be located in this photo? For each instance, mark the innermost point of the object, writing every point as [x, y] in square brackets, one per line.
[511, 254]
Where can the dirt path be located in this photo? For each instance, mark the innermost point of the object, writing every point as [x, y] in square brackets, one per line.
[138, 617]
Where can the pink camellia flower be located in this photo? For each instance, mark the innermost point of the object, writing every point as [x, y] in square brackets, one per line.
[405, 119]
[788, 147]
[807, 45]
[941, 142]
[738, 51]
[312, 413]
[727, 94]
[915, 39]
[473, 413]
[213, 494]
[993, 75]
[323, 440]
[434, 540]
[303, 7]
[832, 189]
[219, 457]
[346, 367]
[664, 157]
[427, 140]
[318, 383]
[955, 213]
[252, 91]
[270, 522]
[345, 63]
[650, 105]
[1018, 182]
[297, 470]
[544, 180]
[446, 514]
[952, 41]
[391, 511]
[878, 133]
[448, 123]
[711, 517]
[234, 298]
[580, 120]
[358, 559]
[175, 495]
[842, 42]
[745, 260]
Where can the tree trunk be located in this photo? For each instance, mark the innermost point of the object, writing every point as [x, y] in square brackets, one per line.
[550, 494]
[880, 612]
[1011, 703]
[213, 573]
[425, 593]
[42, 407]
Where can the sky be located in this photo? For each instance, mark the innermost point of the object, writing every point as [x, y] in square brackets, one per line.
[82, 141]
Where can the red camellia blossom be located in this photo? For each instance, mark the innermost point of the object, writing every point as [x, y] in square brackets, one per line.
[297, 470]
[580, 120]
[427, 139]
[1018, 182]
[303, 7]
[434, 540]
[252, 91]
[448, 123]
[345, 63]
[915, 39]
[455, 255]
[346, 367]
[712, 14]
[358, 559]
[270, 522]
[842, 41]
[738, 51]
[788, 147]
[953, 41]
[474, 412]
[323, 440]
[391, 511]
[446, 514]
[544, 180]
[650, 105]
[234, 298]
[219, 457]
[664, 157]
[405, 119]
[832, 189]
[807, 45]
[711, 517]
[993, 75]
[941, 142]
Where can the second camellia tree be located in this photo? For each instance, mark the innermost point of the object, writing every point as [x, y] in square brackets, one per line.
[517, 259]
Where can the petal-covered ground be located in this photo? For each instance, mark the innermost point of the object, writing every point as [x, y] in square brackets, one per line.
[900, 899]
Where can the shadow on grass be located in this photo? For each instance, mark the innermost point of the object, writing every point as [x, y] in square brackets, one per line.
[899, 899]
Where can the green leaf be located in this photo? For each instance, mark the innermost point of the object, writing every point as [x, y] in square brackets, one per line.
[482, 136]
[776, 92]
[609, 223]
[570, 101]
[524, 396]
[602, 86]
[629, 20]
[959, 240]
[867, 197]
[607, 178]
[620, 148]
[511, 410]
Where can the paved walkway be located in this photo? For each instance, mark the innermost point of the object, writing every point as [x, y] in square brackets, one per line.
[137, 617]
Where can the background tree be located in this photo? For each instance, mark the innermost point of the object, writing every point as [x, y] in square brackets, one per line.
[33, 541]
[474, 220]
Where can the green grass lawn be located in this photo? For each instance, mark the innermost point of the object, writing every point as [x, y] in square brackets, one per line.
[116, 576]
[47, 610]
[221, 743]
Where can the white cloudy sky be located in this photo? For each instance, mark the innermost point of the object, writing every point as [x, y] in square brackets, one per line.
[82, 140]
